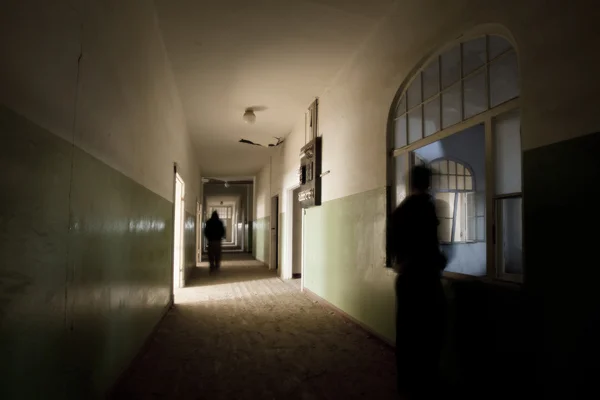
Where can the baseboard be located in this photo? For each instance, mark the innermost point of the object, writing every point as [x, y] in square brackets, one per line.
[125, 373]
[350, 319]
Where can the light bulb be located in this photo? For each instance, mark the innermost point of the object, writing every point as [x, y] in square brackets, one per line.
[249, 117]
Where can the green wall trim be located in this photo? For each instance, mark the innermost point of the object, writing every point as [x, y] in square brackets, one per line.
[344, 242]
[86, 266]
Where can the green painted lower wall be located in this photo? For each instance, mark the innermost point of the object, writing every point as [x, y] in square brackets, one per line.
[86, 266]
[344, 262]
[261, 239]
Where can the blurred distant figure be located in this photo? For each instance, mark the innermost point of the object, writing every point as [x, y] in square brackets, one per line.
[214, 232]
[413, 244]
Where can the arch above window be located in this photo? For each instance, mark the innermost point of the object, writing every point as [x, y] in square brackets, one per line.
[458, 84]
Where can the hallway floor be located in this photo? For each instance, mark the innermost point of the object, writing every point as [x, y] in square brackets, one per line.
[245, 334]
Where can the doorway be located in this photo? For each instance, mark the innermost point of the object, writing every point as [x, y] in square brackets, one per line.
[275, 232]
[178, 232]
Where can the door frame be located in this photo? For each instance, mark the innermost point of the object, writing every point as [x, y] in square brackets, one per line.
[178, 254]
[274, 236]
[199, 222]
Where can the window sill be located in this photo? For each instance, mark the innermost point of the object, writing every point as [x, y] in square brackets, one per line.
[507, 282]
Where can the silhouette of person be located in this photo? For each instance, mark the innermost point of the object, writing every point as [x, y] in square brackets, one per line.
[214, 232]
[413, 245]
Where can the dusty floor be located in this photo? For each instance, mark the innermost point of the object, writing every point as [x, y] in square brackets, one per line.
[245, 334]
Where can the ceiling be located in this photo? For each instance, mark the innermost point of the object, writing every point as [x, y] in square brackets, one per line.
[231, 54]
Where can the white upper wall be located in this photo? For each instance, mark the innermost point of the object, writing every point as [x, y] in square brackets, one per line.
[123, 109]
[558, 73]
[262, 202]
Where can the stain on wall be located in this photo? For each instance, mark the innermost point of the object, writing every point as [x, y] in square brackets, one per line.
[86, 266]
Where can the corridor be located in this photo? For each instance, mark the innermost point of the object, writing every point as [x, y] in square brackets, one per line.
[246, 334]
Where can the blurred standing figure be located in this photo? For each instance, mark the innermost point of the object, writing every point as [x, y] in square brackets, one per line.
[214, 232]
[413, 244]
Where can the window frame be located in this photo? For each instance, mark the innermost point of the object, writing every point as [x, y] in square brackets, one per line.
[456, 193]
[485, 118]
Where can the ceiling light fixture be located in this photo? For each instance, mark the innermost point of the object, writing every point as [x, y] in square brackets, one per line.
[249, 116]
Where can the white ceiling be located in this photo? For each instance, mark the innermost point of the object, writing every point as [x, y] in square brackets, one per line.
[231, 54]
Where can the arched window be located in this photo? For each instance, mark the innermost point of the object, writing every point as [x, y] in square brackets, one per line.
[460, 115]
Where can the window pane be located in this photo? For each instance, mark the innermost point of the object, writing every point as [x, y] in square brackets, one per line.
[415, 125]
[414, 92]
[400, 132]
[435, 182]
[504, 79]
[475, 94]
[452, 182]
[468, 183]
[445, 230]
[460, 169]
[444, 204]
[460, 182]
[467, 172]
[400, 180]
[498, 45]
[401, 106]
[435, 167]
[473, 55]
[451, 106]
[444, 166]
[450, 67]
[432, 116]
[507, 143]
[511, 251]
[451, 167]
[444, 182]
[431, 79]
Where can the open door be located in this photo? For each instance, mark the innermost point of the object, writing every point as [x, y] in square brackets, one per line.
[275, 232]
[178, 233]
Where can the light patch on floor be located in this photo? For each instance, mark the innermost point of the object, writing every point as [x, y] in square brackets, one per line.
[245, 334]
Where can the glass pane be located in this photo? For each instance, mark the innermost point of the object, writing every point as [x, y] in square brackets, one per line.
[400, 132]
[467, 172]
[435, 167]
[504, 79]
[450, 67]
[452, 182]
[443, 182]
[435, 182]
[415, 125]
[431, 79]
[444, 203]
[511, 251]
[401, 106]
[475, 94]
[460, 182]
[498, 45]
[400, 178]
[451, 167]
[432, 116]
[507, 144]
[451, 106]
[460, 169]
[445, 230]
[469, 183]
[444, 166]
[414, 92]
[473, 55]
